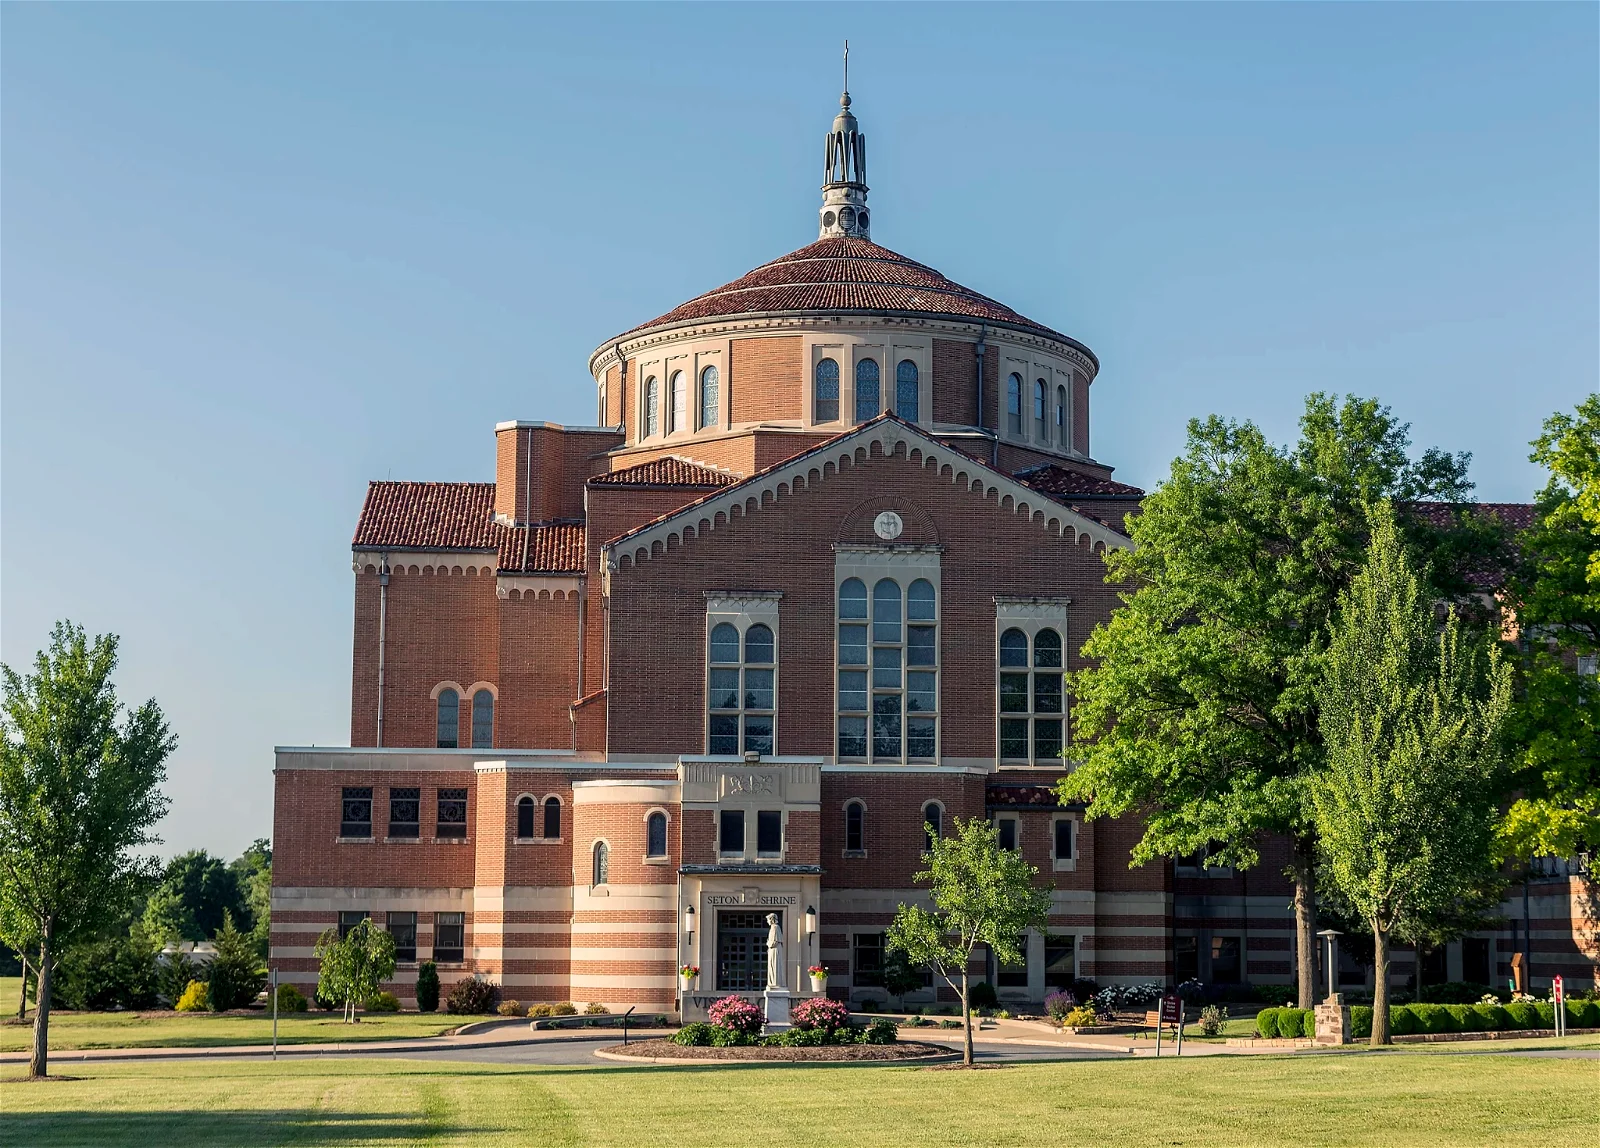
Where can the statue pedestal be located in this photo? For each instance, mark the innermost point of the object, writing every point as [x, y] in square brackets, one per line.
[777, 1009]
[1333, 1021]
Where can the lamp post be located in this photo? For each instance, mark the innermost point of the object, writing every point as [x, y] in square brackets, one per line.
[1332, 937]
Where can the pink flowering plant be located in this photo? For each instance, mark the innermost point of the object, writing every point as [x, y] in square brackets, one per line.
[820, 1013]
[817, 972]
[690, 971]
[737, 1015]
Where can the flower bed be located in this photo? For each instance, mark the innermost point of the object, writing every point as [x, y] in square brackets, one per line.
[665, 1049]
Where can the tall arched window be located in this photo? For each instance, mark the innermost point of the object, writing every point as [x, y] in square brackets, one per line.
[552, 817]
[741, 695]
[868, 402]
[602, 419]
[602, 863]
[710, 398]
[1032, 707]
[680, 404]
[825, 391]
[1041, 428]
[652, 407]
[483, 720]
[655, 835]
[855, 828]
[525, 813]
[906, 391]
[449, 719]
[1014, 404]
[1061, 417]
[888, 671]
[933, 823]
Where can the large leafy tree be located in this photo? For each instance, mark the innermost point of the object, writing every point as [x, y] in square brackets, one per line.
[1199, 710]
[982, 895]
[1405, 804]
[354, 968]
[252, 870]
[196, 892]
[80, 790]
[1555, 599]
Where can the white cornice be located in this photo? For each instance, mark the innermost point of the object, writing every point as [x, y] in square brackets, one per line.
[825, 460]
[425, 561]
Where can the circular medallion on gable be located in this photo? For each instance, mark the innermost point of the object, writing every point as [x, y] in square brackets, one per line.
[888, 526]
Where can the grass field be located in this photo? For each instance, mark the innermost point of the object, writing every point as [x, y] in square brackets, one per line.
[1382, 1099]
[130, 1030]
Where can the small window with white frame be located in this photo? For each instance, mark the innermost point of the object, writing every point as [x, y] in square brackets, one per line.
[1063, 843]
[1030, 659]
[742, 674]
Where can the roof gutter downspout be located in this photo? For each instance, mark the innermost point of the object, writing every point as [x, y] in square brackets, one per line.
[383, 626]
[583, 611]
[982, 349]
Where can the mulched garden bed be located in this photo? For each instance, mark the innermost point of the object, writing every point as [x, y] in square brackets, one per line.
[666, 1050]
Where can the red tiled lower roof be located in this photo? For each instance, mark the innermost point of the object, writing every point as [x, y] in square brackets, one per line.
[1062, 482]
[668, 471]
[460, 516]
[1516, 515]
[844, 274]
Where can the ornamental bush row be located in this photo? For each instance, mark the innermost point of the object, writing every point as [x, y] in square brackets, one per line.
[1412, 1019]
[1292, 1023]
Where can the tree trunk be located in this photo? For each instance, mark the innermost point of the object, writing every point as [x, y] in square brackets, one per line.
[966, 1014]
[1302, 871]
[22, 995]
[39, 1061]
[1380, 987]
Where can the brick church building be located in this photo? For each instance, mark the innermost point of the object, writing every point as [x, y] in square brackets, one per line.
[809, 585]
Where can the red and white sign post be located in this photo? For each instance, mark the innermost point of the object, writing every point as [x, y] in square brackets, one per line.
[1560, 995]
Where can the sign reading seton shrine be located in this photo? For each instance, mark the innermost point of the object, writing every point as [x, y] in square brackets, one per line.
[752, 898]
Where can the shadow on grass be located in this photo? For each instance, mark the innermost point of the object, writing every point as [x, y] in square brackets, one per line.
[239, 1129]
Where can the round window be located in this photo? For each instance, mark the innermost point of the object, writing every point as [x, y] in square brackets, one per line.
[862, 219]
[847, 218]
[827, 219]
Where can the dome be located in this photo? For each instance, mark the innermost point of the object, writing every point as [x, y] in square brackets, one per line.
[844, 275]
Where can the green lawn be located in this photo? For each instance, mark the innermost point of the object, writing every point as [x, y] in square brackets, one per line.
[1383, 1099]
[70, 1030]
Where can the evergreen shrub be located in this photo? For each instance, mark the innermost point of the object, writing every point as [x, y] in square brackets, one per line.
[1267, 1022]
[1547, 1014]
[510, 1008]
[1493, 1016]
[1402, 1021]
[291, 999]
[384, 1002]
[1360, 1022]
[981, 995]
[427, 987]
[195, 998]
[1432, 1018]
[1465, 1018]
[1523, 1015]
[563, 1008]
[473, 996]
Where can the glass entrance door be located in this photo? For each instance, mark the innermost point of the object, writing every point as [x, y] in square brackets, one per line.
[742, 949]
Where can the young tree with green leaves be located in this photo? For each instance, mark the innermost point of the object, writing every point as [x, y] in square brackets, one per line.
[80, 790]
[1406, 802]
[355, 968]
[1555, 600]
[982, 895]
[1198, 712]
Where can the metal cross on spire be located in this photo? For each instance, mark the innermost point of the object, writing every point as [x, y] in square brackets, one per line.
[847, 67]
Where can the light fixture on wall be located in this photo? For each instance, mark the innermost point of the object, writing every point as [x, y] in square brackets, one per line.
[811, 921]
[688, 920]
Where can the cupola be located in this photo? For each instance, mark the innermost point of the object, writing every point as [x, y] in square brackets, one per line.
[844, 179]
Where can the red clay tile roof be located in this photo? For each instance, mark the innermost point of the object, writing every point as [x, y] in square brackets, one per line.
[1062, 482]
[1516, 515]
[851, 275]
[460, 516]
[668, 471]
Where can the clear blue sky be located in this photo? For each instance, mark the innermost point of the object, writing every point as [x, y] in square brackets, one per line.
[255, 255]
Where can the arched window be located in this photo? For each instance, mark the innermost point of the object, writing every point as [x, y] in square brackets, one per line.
[449, 719]
[758, 645]
[1014, 404]
[680, 404]
[855, 816]
[725, 644]
[655, 835]
[741, 694]
[825, 392]
[602, 863]
[906, 390]
[888, 671]
[933, 825]
[524, 817]
[652, 407]
[710, 407]
[1061, 417]
[1013, 648]
[483, 720]
[868, 403]
[1041, 429]
[602, 404]
[552, 817]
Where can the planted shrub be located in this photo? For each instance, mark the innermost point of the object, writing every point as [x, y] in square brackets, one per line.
[112, 974]
[1212, 1020]
[510, 1008]
[384, 1002]
[291, 999]
[1432, 1018]
[1059, 1004]
[471, 997]
[539, 1010]
[1547, 1014]
[1402, 1021]
[981, 995]
[174, 971]
[595, 1008]
[870, 1005]
[695, 1034]
[1308, 1023]
[427, 987]
[1455, 992]
[1523, 1014]
[1492, 1016]
[881, 1031]
[957, 1024]
[1360, 1022]
[820, 1013]
[1079, 1017]
[1275, 995]
[1465, 1018]
[1267, 1022]
[737, 1017]
[1589, 1016]
[195, 998]
[563, 1008]
[237, 974]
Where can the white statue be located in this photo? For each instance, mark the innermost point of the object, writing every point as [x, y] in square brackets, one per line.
[774, 953]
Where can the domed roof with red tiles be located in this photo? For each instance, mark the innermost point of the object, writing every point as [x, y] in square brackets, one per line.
[845, 275]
